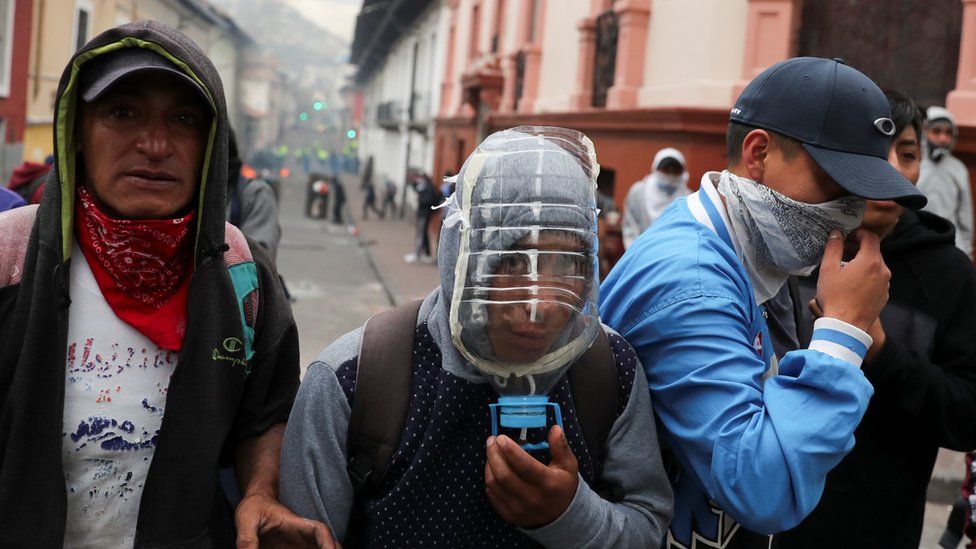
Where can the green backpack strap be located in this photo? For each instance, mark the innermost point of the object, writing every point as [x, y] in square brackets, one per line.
[381, 400]
[593, 383]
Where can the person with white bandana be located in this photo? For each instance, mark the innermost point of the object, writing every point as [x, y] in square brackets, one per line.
[752, 436]
[944, 178]
[647, 199]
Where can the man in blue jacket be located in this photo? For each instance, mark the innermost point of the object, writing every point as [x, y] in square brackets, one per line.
[753, 435]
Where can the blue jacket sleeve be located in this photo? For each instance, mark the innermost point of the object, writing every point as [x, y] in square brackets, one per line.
[760, 449]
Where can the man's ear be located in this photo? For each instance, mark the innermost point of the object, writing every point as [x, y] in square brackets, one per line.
[755, 147]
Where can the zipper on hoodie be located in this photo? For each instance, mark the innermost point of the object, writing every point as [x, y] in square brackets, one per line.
[62, 280]
[138, 542]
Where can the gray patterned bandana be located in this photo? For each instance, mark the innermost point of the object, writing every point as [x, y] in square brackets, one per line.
[778, 236]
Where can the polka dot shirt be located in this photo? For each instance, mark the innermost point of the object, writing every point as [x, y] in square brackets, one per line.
[434, 491]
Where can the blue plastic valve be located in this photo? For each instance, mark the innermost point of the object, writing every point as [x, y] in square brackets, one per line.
[524, 412]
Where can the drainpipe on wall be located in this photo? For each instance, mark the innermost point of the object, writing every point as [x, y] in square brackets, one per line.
[406, 157]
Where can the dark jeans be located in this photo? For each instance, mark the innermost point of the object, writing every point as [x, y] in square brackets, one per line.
[369, 203]
[337, 210]
[422, 240]
[388, 200]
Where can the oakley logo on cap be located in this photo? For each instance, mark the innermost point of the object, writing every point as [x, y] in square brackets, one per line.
[885, 126]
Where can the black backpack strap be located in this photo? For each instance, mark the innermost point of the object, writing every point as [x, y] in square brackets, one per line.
[381, 400]
[593, 383]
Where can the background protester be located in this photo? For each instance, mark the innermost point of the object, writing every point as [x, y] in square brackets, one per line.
[252, 206]
[427, 198]
[389, 197]
[337, 196]
[317, 196]
[369, 191]
[647, 199]
[10, 200]
[944, 179]
[28, 179]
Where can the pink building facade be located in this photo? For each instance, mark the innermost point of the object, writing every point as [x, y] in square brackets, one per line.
[639, 75]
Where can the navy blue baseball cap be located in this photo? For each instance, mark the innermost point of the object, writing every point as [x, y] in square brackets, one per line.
[841, 117]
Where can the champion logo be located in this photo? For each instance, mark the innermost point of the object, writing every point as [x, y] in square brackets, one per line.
[232, 345]
[758, 343]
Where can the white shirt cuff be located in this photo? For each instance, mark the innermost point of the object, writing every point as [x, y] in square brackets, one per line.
[840, 340]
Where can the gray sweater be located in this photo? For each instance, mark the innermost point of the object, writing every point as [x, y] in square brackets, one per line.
[314, 482]
[259, 215]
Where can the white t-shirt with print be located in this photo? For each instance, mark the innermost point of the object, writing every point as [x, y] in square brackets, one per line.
[115, 392]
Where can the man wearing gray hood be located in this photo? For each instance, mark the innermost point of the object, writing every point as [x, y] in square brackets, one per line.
[944, 180]
[515, 317]
[144, 343]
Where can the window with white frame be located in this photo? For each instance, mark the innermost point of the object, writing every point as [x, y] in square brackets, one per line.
[6, 44]
[81, 32]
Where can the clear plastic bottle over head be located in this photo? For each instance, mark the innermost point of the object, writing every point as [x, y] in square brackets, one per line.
[525, 296]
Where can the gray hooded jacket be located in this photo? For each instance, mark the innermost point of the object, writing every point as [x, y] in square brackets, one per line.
[217, 396]
[946, 184]
[315, 484]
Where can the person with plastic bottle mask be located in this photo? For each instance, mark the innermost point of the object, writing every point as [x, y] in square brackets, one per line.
[524, 328]
[498, 410]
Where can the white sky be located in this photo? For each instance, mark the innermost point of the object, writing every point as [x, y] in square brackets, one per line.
[337, 16]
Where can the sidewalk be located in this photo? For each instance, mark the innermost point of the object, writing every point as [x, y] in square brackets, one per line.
[386, 242]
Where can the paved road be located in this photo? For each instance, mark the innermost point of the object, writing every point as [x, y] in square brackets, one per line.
[328, 273]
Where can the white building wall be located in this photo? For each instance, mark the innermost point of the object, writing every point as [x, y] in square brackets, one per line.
[391, 82]
[177, 16]
[224, 53]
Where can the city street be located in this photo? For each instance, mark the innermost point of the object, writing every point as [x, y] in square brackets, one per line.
[327, 272]
[330, 271]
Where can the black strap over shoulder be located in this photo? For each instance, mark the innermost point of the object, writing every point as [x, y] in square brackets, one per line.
[593, 382]
[380, 405]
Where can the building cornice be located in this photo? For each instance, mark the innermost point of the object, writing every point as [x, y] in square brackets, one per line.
[691, 120]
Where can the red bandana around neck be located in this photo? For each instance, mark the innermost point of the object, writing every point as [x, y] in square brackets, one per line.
[142, 267]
